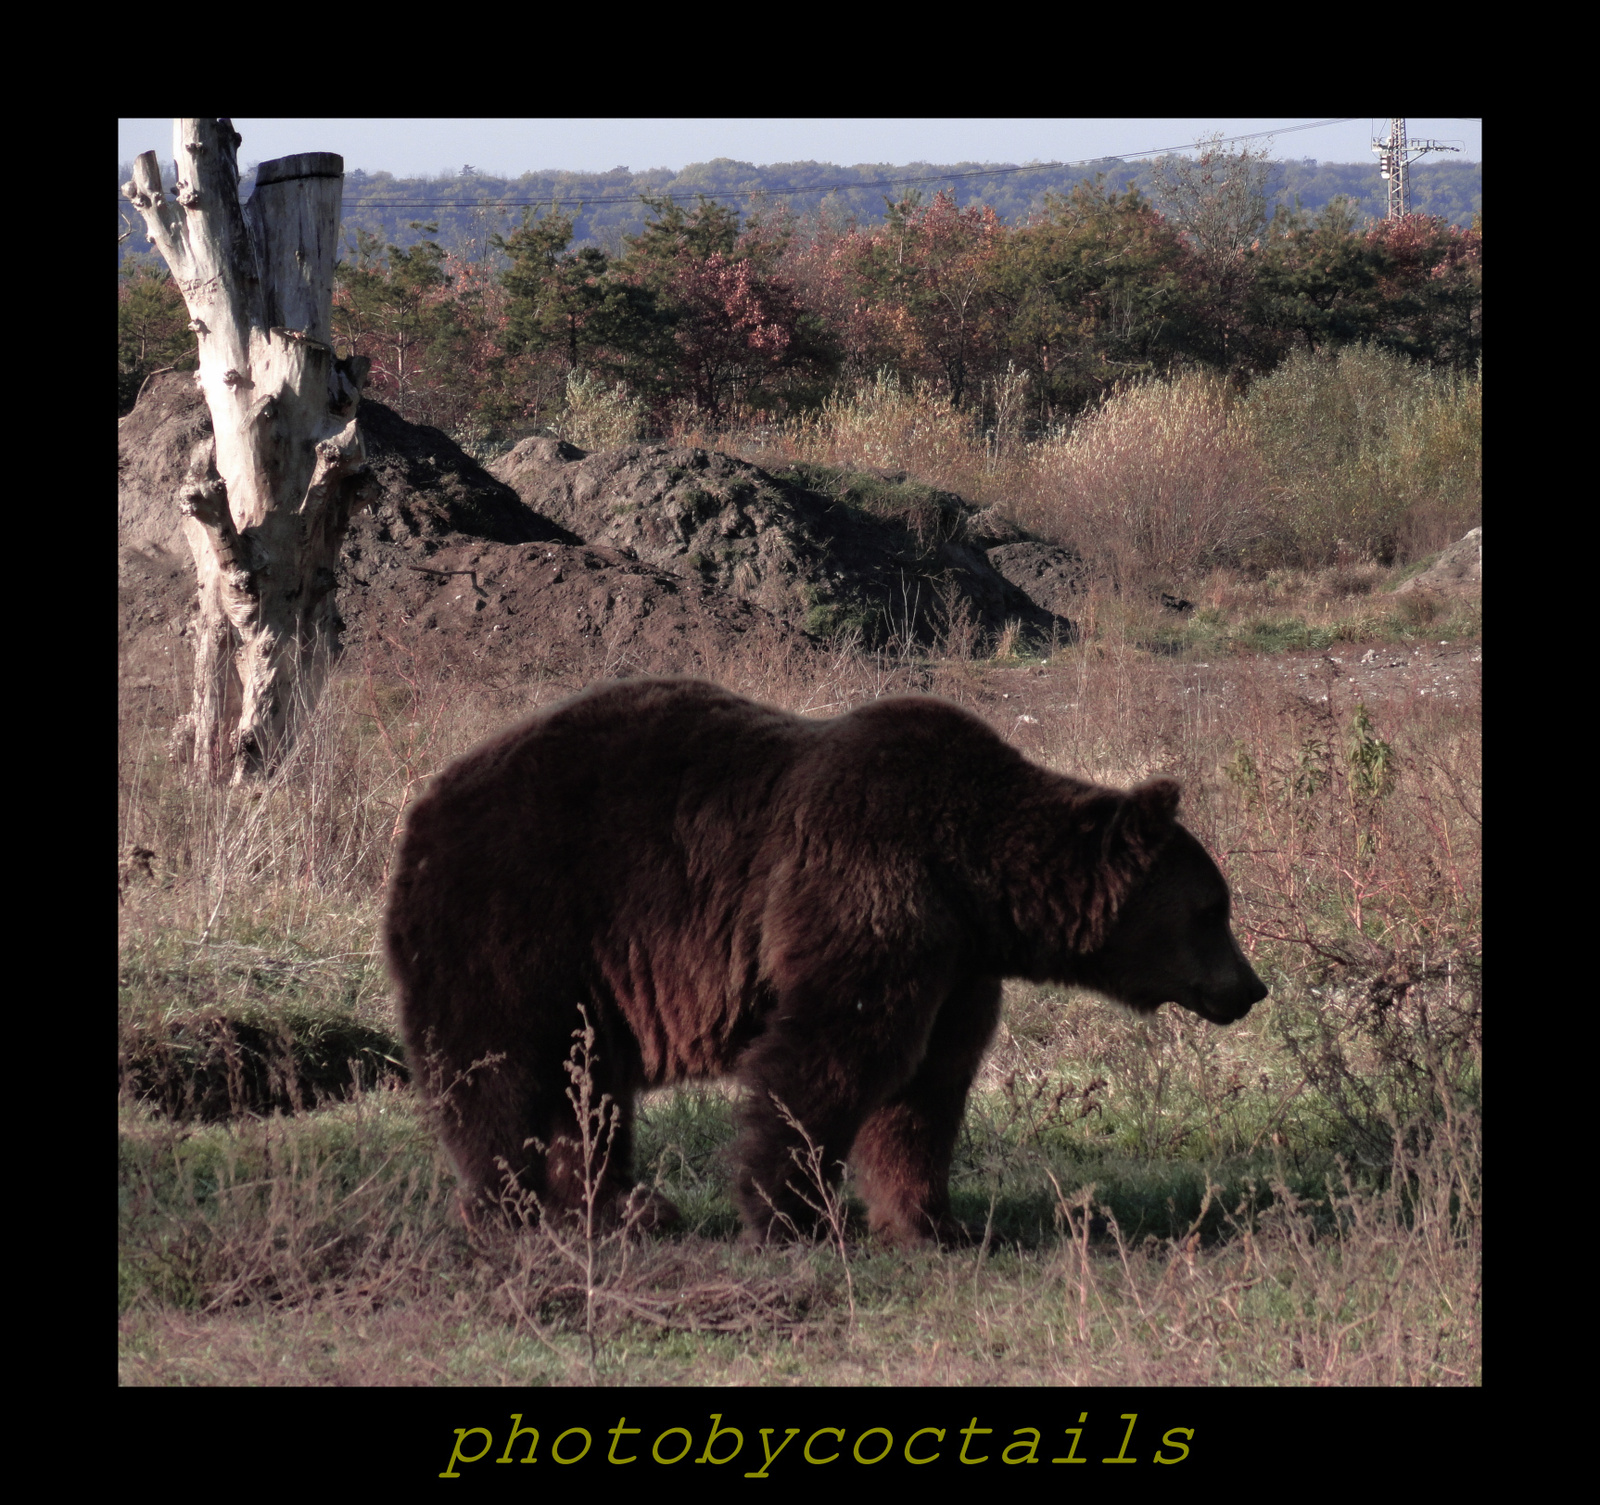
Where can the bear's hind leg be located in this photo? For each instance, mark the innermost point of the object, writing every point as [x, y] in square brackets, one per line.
[589, 1172]
[512, 1132]
[484, 1116]
[590, 1135]
[903, 1152]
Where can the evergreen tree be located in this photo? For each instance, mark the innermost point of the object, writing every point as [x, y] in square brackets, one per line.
[1093, 295]
[153, 331]
[1316, 281]
[1414, 286]
[570, 303]
[391, 307]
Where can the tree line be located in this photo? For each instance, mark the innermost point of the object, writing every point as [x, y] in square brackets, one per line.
[470, 205]
[712, 317]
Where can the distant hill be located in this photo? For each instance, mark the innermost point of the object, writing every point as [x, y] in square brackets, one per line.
[471, 206]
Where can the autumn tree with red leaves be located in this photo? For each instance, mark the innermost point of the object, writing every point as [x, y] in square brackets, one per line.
[924, 290]
[724, 318]
[733, 327]
[1430, 277]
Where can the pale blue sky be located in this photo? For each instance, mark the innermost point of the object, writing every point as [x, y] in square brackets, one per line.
[407, 147]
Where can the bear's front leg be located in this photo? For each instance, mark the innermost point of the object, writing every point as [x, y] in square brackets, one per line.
[795, 1132]
[903, 1151]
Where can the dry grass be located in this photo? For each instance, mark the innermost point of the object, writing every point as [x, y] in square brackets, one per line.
[879, 426]
[1161, 481]
[1329, 462]
[321, 1283]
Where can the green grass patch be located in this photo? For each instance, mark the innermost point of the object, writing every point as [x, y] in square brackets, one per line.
[260, 1208]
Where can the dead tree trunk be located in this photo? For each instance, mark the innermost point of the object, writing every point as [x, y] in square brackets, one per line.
[268, 497]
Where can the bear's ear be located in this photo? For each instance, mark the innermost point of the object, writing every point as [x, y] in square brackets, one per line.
[1149, 814]
[1156, 801]
[1143, 820]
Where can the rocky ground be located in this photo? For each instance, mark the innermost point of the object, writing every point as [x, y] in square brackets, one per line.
[1448, 671]
[1290, 682]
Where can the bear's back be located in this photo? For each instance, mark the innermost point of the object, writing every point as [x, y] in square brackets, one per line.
[913, 771]
[632, 786]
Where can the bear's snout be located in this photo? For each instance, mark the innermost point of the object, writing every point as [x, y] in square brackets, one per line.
[1233, 1003]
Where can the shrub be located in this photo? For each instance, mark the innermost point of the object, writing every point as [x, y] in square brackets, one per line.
[1366, 456]
[598, 416]
[884, 426]
[1160, 480]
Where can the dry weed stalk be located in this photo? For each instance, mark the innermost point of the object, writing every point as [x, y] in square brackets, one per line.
[828, 1202]
[597, 1130]
[597, 1239]
[1080, 1204]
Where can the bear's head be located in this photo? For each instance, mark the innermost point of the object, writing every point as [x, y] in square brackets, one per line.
[1170, 940]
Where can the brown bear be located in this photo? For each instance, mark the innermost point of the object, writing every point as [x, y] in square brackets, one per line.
[823, 908]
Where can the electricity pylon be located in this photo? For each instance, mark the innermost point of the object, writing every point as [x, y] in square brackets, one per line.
[1394, 162]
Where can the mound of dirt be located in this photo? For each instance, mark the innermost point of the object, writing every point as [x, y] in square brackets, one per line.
[1048, 573]
[558, 610]
[429, 487]
[529, 598]
[452, 565]
[433, 491]
[819, 562]
[154, 442]
[211, 1067]
[649, 559]
[1458, 568]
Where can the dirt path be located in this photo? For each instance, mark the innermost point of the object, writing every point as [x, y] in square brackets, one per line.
[1394, 683]
[1351, 673]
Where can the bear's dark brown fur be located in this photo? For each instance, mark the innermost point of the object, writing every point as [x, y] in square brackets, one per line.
[823, 908]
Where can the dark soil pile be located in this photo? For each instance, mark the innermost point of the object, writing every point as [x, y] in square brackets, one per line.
[552, 609]
[821, 550]
[643, 560]
[453, 566]
[1047, 572]
[211, 1066]
[433, 492]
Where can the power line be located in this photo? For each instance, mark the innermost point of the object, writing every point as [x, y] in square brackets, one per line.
[590, 201]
